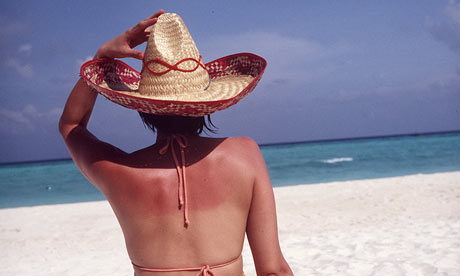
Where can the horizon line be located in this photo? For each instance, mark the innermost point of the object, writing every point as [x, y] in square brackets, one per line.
[273, 144]
[362, 137]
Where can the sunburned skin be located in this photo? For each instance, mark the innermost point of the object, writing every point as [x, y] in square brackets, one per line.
[147, 206]
[155, 182]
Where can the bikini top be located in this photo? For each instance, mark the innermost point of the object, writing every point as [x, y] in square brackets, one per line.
[205, 270]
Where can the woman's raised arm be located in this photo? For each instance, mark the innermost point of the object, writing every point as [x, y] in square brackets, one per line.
[84, 147]
[80, 103]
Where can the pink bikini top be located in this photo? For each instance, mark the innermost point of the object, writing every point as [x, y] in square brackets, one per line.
[205, 270]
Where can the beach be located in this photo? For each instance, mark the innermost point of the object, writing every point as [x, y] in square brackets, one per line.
[408, 225]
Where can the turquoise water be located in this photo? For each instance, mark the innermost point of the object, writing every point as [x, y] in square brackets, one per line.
[362, 158]
[52, 182]
[48, 182]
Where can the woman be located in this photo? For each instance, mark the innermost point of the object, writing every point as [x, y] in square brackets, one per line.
[220, 185]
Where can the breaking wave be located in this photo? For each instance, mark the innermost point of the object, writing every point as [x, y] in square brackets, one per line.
[337, 160]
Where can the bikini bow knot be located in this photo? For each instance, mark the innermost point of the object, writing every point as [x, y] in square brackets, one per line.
[206, 271]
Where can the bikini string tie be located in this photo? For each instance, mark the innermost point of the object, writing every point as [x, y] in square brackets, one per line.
[182, 142]
[205, 270]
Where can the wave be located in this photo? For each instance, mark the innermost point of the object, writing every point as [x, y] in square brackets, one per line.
[337, 160]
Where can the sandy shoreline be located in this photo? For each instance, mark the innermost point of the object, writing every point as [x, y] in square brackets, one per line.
[406, 225]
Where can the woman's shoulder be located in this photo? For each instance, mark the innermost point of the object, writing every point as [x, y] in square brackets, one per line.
[241, 140]
[242, 148]
[241, 143]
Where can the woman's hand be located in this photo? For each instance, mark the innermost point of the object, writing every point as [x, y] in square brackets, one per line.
[123, 45]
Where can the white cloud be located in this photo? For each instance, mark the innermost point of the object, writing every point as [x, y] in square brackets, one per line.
[31, 111]
[14, 122]
[14, 116]
[452, 11]
[269, 44]
[27, 120]
[81, 61]
[25, 49]
[291, 59]
[10, 26]
[18, 61]
[273, 45]
[448, 29]
[25, 70]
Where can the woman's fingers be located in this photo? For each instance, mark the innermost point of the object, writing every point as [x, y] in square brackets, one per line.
[122, 45]
[141, 26]
[149, 21]
[135, 54]
[139, 33]
[158, 13]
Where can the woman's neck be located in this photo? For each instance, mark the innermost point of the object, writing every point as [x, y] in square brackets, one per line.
[162, 136]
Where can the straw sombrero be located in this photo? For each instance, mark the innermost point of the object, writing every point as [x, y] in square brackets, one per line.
[174, 80]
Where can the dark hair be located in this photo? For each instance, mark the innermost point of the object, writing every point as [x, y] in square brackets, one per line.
[172, 124]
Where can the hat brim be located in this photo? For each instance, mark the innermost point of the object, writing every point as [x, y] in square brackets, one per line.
[232, 78]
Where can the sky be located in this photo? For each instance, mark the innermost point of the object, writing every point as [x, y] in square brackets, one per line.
[336, 69]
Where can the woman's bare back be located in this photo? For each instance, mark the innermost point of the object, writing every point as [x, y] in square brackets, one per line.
[144, 197]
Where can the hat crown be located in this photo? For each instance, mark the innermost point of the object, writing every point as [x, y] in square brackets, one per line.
[172, 63]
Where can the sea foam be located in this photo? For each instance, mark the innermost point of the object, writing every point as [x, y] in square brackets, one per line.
[337, 160]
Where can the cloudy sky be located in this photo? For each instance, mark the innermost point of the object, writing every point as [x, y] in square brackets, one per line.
[336, 69]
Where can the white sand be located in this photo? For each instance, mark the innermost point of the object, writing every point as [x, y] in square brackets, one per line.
[394, 226]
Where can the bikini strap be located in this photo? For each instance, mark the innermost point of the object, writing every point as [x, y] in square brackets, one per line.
[180, 140]
[205, 270]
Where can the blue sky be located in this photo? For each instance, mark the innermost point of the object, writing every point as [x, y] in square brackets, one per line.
[336, 69]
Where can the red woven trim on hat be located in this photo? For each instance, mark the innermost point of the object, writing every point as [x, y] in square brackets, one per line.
[173, 67]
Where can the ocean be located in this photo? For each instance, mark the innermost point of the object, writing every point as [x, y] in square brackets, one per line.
[53, 182]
